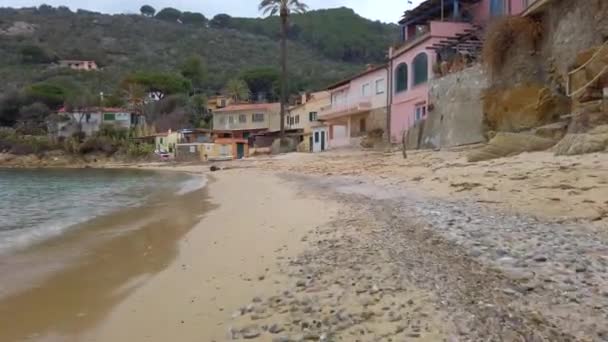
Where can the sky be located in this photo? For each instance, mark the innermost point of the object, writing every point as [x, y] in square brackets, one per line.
[384, 10]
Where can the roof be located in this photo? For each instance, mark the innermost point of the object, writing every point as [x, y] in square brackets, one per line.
[247, 106]
[74, 61]
[100, 109]
[428, 10]
[363, 73]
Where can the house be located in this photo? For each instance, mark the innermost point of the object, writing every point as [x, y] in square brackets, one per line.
[89, 121]
[244, 120]
[305, 115]
[79, 65]
[430, 35]
[357, 105]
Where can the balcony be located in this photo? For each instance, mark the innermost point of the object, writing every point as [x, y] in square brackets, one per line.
[335, 111]
[437, 29]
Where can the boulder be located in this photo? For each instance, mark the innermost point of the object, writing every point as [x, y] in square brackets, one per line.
[596, 140]
[505, 144]
[522, 107]
[554, 131]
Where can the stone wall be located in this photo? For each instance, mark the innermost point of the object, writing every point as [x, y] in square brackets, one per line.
[455, 115]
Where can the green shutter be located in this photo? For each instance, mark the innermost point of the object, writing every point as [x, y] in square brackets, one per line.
[401, 78]
[109, 117]
[421, 68]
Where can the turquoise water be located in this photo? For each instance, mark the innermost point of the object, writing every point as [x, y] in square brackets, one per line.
[39, 204]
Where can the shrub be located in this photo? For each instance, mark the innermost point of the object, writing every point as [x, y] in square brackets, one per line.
[98, 144]
[136, 150]
[506, 33]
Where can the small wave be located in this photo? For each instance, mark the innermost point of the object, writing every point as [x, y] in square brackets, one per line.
[14, 240]
[192, 184]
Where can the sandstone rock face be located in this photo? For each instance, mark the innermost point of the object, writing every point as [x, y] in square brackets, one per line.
[522, 107]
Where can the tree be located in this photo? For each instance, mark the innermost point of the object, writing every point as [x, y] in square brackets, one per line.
[195, 69]
[147, 11]
[32, 118]
[220, 21]
[160, 84]
[261, 82]
[192, 18]
[283, 8]
[237, 90]
[34, 54]
[199, 116]
[169, 14]
[50, 94]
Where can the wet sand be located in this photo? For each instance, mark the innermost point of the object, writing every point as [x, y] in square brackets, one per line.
[227, 259]
[60, 289]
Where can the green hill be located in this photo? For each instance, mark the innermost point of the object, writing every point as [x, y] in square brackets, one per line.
[324, 46]
[127, 43]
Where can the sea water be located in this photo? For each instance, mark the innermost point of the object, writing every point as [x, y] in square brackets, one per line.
[36, 205]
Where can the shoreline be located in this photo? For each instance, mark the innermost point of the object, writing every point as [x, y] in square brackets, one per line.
[65, 284]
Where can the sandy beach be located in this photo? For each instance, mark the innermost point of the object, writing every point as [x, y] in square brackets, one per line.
[304, 247]
[225, 261]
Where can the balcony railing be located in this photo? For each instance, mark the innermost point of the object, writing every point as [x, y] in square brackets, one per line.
[336, 111]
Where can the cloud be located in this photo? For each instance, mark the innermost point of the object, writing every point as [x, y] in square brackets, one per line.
[384, 10]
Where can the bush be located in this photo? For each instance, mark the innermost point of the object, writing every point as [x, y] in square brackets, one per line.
[135, 150]
[98, 144]
[113, 132]
[24, 144]
[506, 33]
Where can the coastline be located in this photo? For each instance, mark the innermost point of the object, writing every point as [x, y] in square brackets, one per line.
[60, 287]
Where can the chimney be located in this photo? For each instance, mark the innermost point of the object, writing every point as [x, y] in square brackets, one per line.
[369, 67]
[304, 98]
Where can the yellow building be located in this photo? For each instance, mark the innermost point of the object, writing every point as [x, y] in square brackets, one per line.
[167, 141]
[305, 116]
[244, 120]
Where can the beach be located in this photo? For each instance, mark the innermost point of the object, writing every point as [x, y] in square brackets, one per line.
[303, 247]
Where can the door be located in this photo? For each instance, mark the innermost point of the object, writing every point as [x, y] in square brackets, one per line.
[240, 151]
[310, 144]
[322, 140]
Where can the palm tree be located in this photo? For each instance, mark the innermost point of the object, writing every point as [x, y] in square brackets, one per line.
[237, 90]
[284, 8]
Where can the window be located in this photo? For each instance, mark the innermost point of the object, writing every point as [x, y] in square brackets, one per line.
[497, 8]
[420, 112]
[380, 86]
[88, 117]
[312, 116]
[316, 137]
[109, 117]
[222, 120]
[257, 117]
[362, 125]
[231, 120]
[401, 78]
[366, 89]
[242, 118]
[421, 68]
[297, 119]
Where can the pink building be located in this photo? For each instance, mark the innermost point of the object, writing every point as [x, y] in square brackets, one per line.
[430, 33]
[358, 105]
[79, 65]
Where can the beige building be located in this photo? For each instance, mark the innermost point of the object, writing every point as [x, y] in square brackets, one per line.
[304, 116]
[246, 119]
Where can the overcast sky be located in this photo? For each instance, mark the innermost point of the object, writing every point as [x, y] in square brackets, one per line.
[384, 10]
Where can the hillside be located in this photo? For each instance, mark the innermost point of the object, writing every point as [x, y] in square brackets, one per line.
[122, 44]
[337, 33]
